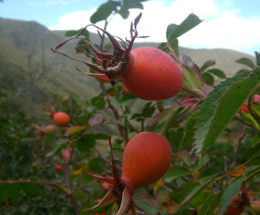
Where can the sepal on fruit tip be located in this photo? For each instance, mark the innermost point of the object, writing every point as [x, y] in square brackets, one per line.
[126, 201]
[109, 198]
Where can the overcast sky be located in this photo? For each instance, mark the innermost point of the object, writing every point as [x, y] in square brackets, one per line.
[231, 24]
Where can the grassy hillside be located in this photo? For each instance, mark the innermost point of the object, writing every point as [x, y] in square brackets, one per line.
[225, 58]
[36, 40]
[15, 73]
[19, 39]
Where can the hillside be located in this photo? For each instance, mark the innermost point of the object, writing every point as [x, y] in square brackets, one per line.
[20, 39]
[36, 40]
[225, 58]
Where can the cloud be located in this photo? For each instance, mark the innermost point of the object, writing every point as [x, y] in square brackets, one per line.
[222, 27]
[48, 3]
[73, 21]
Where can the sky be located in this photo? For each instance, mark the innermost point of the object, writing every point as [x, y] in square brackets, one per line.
[229, 24]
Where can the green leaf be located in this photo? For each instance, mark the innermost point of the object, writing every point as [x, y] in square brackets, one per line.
[14, 191]
[249, 119]
[163, 47]
[99, 102]
[60, 144]
[196, 191]
[185, 157]
[128, 99]
[72, 33]
[117, 147]
[161, 118]
[124, 12]
[170, 29]
[129, 4]
[190, 22]
[79, 195]
[148, 208]
[250, 170]
[200, 199]
[178, 195]
[76, 32]
[169, 117]
[210, 204]
[207, 64]
[246, 61]
[221, 106]
[209, 173]
[114, 101]
[96, 164]
[189, 131]
[200, 163]
[206, 204]
[104, 11]
[76, 130]
[31, 189]
[85, 143]
[148, 110]
[132, 4]
[253, 152]
[192, 76]
[217, 72]
[230, 192]
[126, 112]
[176, 172]
[4, 192]
[99, 136]
[208, 78]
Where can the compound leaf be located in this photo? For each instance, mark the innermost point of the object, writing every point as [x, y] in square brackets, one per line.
[221, 106]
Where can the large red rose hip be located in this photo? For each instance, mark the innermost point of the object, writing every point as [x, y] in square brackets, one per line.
[147, 72]
[147, 157]
[151, 74]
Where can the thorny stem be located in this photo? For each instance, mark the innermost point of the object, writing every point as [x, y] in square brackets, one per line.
[103, 158]
[242, 136]
[69, 193]
[234, 170]
[73, 141]
[120, 127]
[251, 176]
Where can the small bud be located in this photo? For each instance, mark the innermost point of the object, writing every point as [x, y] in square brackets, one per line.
[66, 153]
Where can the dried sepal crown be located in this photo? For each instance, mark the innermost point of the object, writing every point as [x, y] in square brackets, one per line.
[108, 64]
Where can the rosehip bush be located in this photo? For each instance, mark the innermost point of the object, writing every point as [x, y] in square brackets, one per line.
[147, 72]
[185, 151]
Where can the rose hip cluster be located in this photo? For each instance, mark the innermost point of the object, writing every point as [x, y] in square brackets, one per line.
[147, 72]
[147, 157]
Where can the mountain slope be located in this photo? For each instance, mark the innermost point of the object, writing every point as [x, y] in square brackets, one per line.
[225, 58]
[21, 39]
[18, 75]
